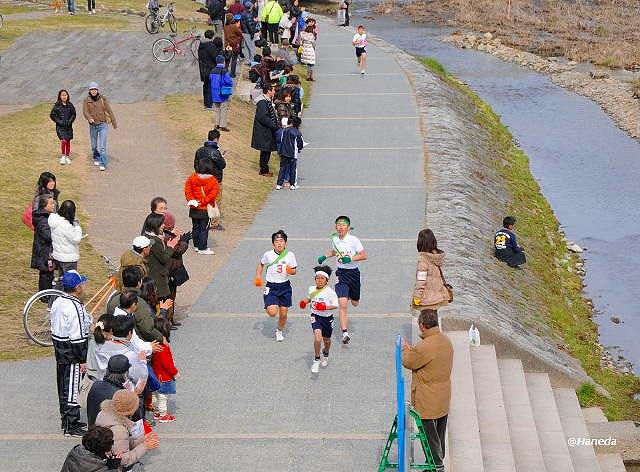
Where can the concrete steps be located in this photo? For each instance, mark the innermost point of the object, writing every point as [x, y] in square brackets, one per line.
[505, 420]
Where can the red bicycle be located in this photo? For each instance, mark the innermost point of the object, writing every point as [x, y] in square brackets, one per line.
[165, 49]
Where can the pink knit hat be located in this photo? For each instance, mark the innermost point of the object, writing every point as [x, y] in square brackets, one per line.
[169, 221]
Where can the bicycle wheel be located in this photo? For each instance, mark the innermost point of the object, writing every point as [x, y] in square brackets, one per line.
[151, 23]
[173, 24]
[195, 44]
[164, 49]
[36, 316]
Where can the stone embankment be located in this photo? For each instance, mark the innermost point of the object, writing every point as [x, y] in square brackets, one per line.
[617, 98]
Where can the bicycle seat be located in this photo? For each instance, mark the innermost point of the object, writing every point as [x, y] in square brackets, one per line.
[173, 35]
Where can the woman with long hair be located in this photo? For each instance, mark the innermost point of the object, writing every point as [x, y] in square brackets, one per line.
[430, 290]
[160, 255]
[63, 114]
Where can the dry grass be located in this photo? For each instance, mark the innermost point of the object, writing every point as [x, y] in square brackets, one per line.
[6, 9]
[604, 32]
[29, 146]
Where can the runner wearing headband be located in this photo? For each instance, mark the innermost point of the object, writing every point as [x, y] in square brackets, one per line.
[323, 301]
[280, 264]
[348, 250]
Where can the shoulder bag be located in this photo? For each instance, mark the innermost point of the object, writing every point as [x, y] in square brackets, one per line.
[446, 285]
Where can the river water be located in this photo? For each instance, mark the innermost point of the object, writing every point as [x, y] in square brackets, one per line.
[587, 168]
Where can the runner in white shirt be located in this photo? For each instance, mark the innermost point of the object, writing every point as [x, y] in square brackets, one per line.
[322, 301]
[280, 263]
[348, 250]
[360, 42]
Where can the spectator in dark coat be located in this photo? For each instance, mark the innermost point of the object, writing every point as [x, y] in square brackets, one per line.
[210, 150]
[176, 264]
[265, 124]
[91, 455]
[63, 115]
[207, 52]
[506, 247]
[158, 260]
[249, 26]
[42, 247]
[216, 15]
[101, 390]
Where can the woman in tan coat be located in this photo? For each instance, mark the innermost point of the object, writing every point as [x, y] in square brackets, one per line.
[97, 111]
[430, 291]
[115, 415]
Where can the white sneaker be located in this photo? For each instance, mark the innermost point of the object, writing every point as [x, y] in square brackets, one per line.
[96, 163]
[362, 72]
[278, 187]
[206, 252]
[325, 361]
[293, 187]
[279, 336]
[68, 159]
[63, 160]
[345, 338]
[103, 168]
[315, 367]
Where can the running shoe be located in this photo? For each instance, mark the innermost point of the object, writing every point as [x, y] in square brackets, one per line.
[278, 187]
[279, 336]
[166, 418]
[325, 361]
[345, 338]
[68, 159]
[293, 187]
[63, 160]
[102, 168]
[96, 163]
[206, 252]
[315, 367]
[362, 73]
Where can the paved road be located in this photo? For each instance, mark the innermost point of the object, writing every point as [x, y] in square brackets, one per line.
[248, 403]
[121, 63]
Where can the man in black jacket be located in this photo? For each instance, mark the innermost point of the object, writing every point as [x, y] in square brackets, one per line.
[265, 125]
[207, 52]
[101, 390]
[216, 14]
[210, 150]
[249, 25]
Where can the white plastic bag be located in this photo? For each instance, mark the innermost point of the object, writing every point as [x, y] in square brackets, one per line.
[474, 336]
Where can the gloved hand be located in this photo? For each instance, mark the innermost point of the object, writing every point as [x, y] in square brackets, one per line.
[290, 270]
[258, 281]
[193, 203]
[303, 304]
[416, 301]
[345, 259]
[321, 306]
[321, 259]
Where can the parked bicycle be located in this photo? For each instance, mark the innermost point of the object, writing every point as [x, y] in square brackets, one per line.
[154, 20]
[36, 315]
[165, 49]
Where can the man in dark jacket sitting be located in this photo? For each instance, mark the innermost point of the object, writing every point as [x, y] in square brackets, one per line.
[210, 150]
[101, 390]
[207, 52]
[506, 247]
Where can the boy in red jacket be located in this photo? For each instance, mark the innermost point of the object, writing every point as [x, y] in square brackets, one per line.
[166, 372]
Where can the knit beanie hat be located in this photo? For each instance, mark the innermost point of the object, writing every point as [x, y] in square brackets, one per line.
[125, 402]
[219, 59]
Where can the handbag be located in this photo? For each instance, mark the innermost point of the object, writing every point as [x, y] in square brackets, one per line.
[446, 285]
[213, 212]
[179, 275]
[27, 216]
[83, 392]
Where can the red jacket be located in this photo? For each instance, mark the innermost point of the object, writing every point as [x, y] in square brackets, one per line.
[202, 189]
[162, 363]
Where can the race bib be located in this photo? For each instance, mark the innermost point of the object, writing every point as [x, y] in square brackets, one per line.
[266, 291]
[313, 319]
[421, 276]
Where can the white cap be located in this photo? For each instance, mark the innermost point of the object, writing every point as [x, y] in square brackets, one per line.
[142, 242]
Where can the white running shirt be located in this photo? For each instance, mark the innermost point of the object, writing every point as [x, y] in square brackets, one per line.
[360, 40]
[349, 246]
[277, 273]
[328, 296]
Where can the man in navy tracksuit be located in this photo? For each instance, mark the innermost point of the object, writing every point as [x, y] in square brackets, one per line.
[289, 146]
[70, 325]
[506, 246]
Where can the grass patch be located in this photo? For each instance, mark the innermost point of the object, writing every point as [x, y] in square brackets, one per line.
[11, 9]
[557, 293]
[301, 71]
[22, 159]
[11, 32]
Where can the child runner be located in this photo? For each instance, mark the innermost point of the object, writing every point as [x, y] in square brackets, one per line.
[348, 250]
[280, 264]
[360, 42]
[323, 303]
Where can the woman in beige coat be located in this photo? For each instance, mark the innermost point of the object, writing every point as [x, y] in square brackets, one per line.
[115, 415]
[430, 291]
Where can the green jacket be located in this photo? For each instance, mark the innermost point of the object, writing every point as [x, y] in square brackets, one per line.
[271, 13]
[145, 327]
[130, 258]
[158, 264]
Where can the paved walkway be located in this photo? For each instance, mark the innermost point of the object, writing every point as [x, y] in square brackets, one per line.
[248, 403]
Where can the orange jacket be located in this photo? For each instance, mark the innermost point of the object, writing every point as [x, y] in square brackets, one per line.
[201, 188]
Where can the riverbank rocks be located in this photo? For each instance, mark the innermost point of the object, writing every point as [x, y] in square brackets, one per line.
[615, 97]
[573, 247]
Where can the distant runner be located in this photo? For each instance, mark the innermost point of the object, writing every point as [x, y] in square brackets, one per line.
[360, 42]
[323, 301]
[280, 264]
[348, 250]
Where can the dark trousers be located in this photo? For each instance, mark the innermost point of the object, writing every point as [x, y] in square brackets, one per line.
[287, 170]
[68, 379]
[206, 94]
[45, 279]
[263, 31]
[91, 5]
[200, 232]
[436, 430]
[272, 28]
[264, 161]
[231, 64]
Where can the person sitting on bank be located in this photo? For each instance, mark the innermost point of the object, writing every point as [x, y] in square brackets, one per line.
[506, 246]
[431, 362]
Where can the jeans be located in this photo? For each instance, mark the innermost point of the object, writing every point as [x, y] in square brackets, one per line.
[222, 110]
[71, 6]
[264, 161]
[206, 93]
[98, 133]
[248, 47]
[200, 232]
[287, 170]
[436, 430]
